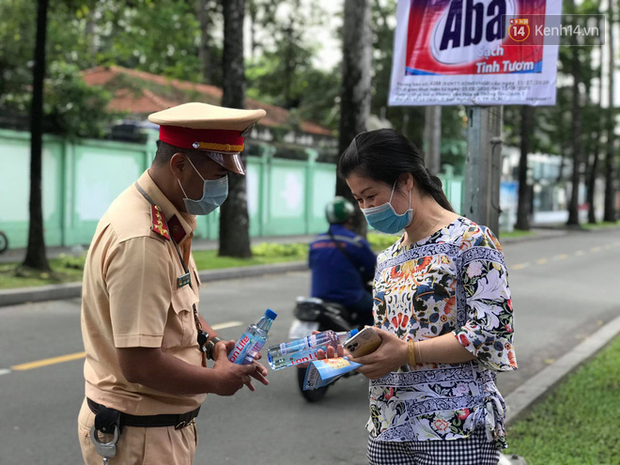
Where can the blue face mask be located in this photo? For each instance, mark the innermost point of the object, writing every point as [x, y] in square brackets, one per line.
[214, 192]
[385, 219]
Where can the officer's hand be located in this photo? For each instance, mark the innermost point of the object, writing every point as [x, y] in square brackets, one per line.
[231, 376]
[230, 345]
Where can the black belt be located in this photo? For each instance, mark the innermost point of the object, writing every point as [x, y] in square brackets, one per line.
[150, 421]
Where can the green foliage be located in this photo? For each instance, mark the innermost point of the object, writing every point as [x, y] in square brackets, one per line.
[273, 249]
[579, 424]
[283, 74]
[72, 107]
[380, 242]
[160, 37]
[71, 261]
[552, 124]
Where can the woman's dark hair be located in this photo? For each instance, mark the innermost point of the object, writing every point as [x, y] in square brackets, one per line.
[384, 155]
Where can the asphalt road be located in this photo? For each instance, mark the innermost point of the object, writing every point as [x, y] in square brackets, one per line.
[563, 290]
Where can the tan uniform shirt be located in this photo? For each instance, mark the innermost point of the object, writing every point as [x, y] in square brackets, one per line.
[131, 298]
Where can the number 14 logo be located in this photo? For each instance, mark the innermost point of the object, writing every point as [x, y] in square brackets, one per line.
[519, 29]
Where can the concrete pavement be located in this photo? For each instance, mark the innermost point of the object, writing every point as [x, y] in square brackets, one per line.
[520, 400]
[71, 290]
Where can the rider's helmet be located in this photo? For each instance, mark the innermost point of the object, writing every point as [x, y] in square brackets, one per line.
[339, 210]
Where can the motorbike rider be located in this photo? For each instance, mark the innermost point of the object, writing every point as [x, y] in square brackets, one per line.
[342, 263]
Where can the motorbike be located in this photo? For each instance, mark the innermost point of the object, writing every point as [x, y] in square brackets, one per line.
[312, 314]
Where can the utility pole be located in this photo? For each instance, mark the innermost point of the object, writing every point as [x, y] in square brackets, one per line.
[432, 138]
[483, 166]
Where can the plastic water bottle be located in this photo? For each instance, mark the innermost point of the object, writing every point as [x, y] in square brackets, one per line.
[305, 350]
[252, 340]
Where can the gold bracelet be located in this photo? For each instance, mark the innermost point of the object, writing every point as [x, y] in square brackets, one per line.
[411, 352]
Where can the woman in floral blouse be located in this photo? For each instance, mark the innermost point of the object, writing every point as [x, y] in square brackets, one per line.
[442, 307]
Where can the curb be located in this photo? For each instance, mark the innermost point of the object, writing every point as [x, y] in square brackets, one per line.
[521, 400]
[37, 294]
[74, 290]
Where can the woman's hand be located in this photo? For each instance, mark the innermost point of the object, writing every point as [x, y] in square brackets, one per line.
[322, 354]
[391, 354]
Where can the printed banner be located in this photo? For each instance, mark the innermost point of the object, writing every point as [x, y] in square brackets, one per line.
[474, 52]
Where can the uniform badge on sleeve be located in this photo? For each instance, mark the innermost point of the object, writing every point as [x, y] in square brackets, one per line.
[158, 224]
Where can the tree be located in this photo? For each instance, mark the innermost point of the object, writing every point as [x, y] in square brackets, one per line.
[355, 97]
[35, 254]
[208, 53]
[576, 128]
[610, 162]
[595, 145]
[523, 207]
[281, 70]
[70, 106]
[234, 218]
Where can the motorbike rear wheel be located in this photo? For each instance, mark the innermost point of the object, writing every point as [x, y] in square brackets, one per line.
[313, 395]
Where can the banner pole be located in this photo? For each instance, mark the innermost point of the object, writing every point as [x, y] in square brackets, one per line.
[483, 166]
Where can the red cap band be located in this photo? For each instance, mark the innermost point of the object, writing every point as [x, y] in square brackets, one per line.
[188, 138]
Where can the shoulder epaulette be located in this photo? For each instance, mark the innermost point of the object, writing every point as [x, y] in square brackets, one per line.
[158, 223]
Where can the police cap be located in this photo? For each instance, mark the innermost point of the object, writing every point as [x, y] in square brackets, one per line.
[218, 131]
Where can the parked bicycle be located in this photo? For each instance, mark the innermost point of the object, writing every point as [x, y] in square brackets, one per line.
[4, 242]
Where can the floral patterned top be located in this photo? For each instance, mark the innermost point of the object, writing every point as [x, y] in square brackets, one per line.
[453, 281]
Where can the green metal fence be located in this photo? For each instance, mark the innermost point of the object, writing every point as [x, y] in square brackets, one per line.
[82, 177]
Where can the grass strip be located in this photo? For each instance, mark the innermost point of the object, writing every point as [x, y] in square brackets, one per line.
[69, 269]
[579, 423]
[602, 225]
[516, 233]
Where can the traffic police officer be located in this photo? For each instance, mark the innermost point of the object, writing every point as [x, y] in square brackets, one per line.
[146, 344]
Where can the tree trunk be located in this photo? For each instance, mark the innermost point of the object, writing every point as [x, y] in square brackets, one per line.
[576, 127]
[610, 162]
[432, 138]
[234, 218]
[204, 49]
[523, 207]
[596, 148]
[355, 96]
[35, 254]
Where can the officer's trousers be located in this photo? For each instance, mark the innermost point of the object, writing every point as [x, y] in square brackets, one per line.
[140, 446]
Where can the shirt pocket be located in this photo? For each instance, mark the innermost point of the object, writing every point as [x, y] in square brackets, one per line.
[180, 330]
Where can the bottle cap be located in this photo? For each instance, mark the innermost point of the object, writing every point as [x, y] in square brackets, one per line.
[270, 314]
[354, 332]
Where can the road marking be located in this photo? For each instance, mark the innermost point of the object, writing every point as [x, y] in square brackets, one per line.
[561, 257]
[595, 249]
[80, 355]
[228, 324]
[49, 361]
[579, 252]
[542, 261]
[520, 266]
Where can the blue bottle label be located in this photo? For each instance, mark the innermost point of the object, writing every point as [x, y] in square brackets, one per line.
[238, 353]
